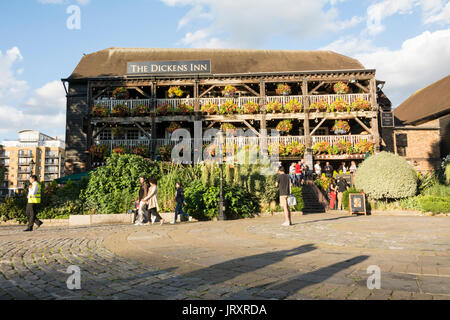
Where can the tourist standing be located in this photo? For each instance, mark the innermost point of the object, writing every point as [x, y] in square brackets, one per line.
[152, 201]
[317, 169]
[284, 184]
[328, 169]
[298, 173]
[143, 191]
[332, 193]
[179, 199]
[353, 167]
[34, 197]
[292, 172]
[343, 168]
[342, 186]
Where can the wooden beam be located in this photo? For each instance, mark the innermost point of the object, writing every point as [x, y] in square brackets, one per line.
[141, 92]
[100, 93]
[209, 89]
[317, 87]
[250, 89]
[365, 89]
[364, 126]
[251, 128]
[143, 131]
[98, 132]
[211, 124]
[318, 126]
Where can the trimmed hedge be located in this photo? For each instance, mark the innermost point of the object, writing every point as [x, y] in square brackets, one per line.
[345, 194]
[435, 204]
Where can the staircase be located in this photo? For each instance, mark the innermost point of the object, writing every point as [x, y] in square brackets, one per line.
[313, 199]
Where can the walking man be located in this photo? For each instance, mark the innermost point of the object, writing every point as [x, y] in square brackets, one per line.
[34, 197]
[284, 184]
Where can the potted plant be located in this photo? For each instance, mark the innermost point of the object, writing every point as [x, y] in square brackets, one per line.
[284, 126]
[283, 89]
[321, 147]
[99, 111]
[363, 146]
[293, 106]
[251, 107]
[340, 106]
[274, 106]
[165, 152]
[320, 106]
[343, 147]
[229, 107]
[98, 152]
[173, 126]
[142, 151]
[140, 111]
[295, 149]
[120, 110]
[175, 91]
[121, 93]
[341, 88]
[120, 149]
[341, 127]
[210, 108]
[361, 105]
[229, 91]
[163, 110]
[228, 128]
[184, 108]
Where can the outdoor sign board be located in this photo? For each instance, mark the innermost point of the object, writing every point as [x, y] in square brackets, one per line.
[347, 177]
[387, 119]
[357, 203]
[169, 67]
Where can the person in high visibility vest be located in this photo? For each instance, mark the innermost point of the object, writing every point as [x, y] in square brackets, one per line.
[34, 197]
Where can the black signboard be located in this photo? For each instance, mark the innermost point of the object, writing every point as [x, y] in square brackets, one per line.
[170, 67]
[357, 203]
[387, 119]
[347, 177]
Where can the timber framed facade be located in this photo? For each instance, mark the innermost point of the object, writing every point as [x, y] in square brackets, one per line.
[310, 86]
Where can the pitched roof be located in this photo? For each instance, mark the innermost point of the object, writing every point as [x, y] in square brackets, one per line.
[113, 61]
[426, 104]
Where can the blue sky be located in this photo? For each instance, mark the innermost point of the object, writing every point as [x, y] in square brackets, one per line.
[407, 41]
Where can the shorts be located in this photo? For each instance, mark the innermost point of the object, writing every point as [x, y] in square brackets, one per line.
[283, 201]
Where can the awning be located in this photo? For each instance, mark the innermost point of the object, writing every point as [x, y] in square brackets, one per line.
[73, 177]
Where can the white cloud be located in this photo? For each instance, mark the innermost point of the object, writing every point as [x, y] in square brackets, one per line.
[419, 62]
[441, 17]
[44, 109]
[240, 24]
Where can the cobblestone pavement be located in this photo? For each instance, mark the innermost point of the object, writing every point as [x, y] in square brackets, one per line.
[322, 256]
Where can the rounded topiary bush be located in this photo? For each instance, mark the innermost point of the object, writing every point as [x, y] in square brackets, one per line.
[386, 176]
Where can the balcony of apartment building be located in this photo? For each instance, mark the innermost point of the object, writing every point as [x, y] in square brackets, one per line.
[25, 154]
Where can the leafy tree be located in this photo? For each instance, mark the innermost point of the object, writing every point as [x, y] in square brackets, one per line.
[386, 176]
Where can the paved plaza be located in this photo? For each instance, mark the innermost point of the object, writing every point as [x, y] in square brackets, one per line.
[322, 256]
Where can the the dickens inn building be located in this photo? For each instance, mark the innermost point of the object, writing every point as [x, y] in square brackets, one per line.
[325, 106]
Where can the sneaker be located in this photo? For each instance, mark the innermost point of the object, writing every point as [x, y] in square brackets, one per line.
[286, 224]
[162, 222]
[190, 218]
[138, 224]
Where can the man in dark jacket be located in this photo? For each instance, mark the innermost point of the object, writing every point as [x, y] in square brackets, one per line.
[342, 186]
[179, 198]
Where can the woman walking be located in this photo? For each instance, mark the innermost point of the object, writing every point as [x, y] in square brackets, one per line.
[143, 191]
[152, 201]
[332, 193]
[179, 198]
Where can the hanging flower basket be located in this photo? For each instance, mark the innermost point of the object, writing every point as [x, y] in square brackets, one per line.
[284, 126]
[341, 88]
[283, 89]
[164, 110]
[228, 128]
[210, 108]
[118, 132]
[293, 106]
[121, 93]
[120, 110]
[140, 111]
[229, 91]
[340, 127]
[173, 126]
[320, 106]
[361, 105]
[274, 106]
[229, 107]
[251, 107]
[175, 92]
[99, 111]
[165, 152]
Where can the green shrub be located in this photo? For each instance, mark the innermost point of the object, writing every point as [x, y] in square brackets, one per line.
[386, 176]
[435, 204]
[297, 192]
[345, 197]
[14, 208]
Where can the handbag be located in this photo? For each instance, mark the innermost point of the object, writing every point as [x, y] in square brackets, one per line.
[292, 201]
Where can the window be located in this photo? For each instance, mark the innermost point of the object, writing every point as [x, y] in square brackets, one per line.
[105, 135]
[133, 135]
[401, 140]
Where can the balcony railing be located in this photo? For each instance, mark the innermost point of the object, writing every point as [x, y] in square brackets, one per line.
[240, 102]
[240, 141]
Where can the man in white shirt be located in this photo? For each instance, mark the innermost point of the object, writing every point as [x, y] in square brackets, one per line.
[34, 197]
[317, 169]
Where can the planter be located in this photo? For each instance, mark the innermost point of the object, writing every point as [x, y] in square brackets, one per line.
[340, 131]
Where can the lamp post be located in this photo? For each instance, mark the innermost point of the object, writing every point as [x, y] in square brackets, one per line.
[221, 215]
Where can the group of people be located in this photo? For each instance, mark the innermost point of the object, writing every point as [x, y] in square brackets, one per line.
[146, 206]
[298, 172]
[328, 169]
[336, 189]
